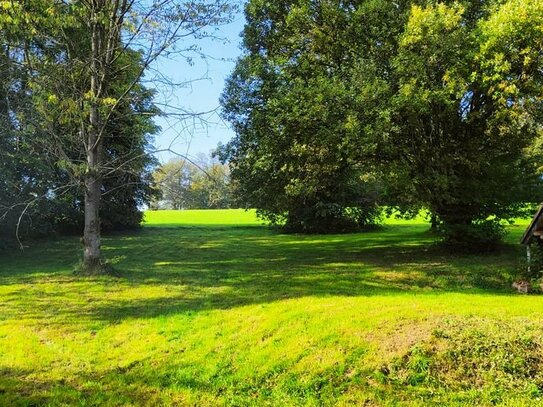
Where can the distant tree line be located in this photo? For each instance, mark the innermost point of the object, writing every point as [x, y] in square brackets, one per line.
[343, 110]
[203, 183]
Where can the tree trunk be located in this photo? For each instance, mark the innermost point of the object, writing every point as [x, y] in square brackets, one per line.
[92, 257]
[93, 193]
[92, 253]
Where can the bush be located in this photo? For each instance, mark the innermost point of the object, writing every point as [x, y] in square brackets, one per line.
[331, 218]
[474, 236]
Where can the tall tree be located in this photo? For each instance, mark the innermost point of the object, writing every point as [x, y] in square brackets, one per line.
[463, 113]
[25, 173]
[77, 53]
[292, 106]
[38, 187]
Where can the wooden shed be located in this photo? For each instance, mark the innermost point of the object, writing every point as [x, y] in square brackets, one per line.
[535, 230]
[533, 233]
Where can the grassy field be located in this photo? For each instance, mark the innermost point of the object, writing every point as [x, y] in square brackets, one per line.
[212, 308]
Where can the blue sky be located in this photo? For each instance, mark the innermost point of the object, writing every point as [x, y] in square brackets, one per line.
[207, 79]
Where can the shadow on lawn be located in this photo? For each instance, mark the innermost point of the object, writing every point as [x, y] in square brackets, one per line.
[212, 289]
[195, 269]
[203, 268]
[136, 384]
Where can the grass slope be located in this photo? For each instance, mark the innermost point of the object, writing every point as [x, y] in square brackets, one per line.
[211, 308]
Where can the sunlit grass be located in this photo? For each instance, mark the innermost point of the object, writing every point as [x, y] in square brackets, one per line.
[237, 217]
[210, 308]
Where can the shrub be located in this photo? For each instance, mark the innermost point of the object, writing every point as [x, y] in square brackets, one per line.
[472, 236]
[331, 218]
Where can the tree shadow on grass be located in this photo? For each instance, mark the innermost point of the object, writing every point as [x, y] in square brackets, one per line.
[211, 289]
[199, 269]
[140, 383]
[136, 384]
[206, 268]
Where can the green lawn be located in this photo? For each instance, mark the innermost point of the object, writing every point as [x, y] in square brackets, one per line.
[212, 308]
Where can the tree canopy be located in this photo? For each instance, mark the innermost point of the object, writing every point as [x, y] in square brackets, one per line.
[348, 106]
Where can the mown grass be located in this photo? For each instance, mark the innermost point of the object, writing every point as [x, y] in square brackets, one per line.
[211, 308]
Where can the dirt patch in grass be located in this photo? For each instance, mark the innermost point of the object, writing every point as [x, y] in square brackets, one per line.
[470, 359]
[394, 339]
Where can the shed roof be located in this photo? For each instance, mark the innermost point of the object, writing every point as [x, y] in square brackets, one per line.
[535, 228]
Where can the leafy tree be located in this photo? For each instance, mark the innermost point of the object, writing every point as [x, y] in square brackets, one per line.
[39, 195]
[174, 181]
[439, 102]
[25, 173]
[460, 131]
[127, 186]
[291, 107]
[78, 52]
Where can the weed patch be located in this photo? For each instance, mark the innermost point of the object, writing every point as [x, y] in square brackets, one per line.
[482, 359]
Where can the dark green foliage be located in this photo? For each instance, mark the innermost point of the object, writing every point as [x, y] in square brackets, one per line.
[330, 218]
[415, 94]
[292, 108]
[25, 172]
[39, 192]
[475, 236]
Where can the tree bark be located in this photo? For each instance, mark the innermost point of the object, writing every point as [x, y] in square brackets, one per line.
[92, 255]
